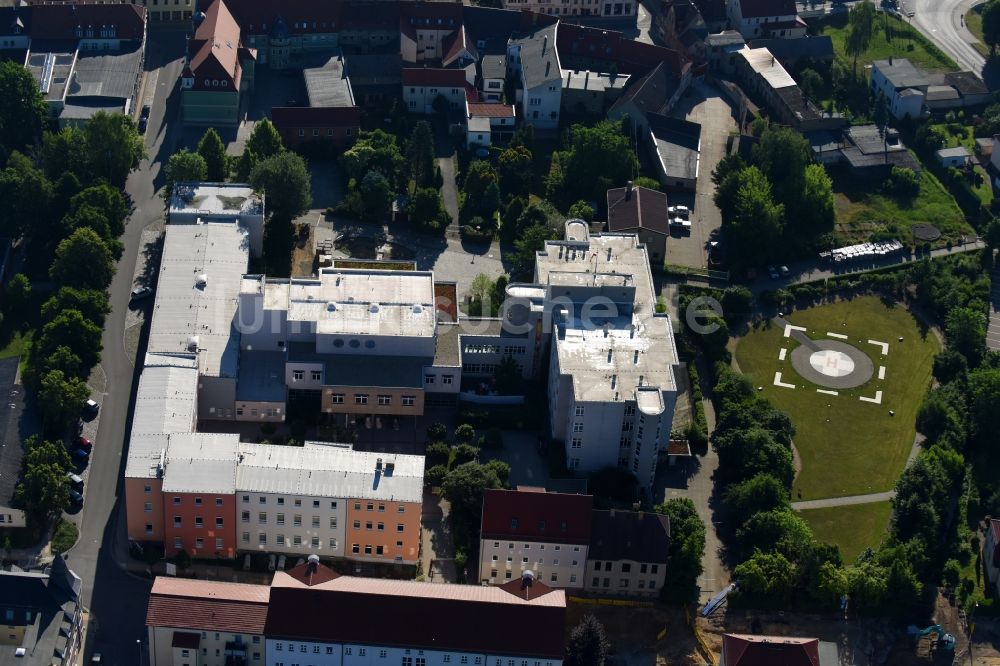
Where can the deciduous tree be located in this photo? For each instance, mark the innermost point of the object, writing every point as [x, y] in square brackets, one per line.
[24, 113]
[114, 146]
[588, 644]
[212, 150]
[83, 260]
[285, 182]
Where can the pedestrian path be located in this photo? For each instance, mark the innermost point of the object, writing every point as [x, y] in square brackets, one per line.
[844, 501]
[993, 330]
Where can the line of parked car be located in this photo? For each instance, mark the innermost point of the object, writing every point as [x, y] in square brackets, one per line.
[80, 450]
[680, 217]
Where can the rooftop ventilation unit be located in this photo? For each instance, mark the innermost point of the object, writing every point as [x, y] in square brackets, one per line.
[331, 307]
[202, 279]
[373, 308]
[192, 343]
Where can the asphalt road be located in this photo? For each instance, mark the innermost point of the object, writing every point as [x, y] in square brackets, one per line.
[941, 21]
[117, 601]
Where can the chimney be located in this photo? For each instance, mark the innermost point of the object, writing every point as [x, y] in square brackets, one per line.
[378, 464]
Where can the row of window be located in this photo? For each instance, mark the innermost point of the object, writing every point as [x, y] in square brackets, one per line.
[623, 583]
[280, 520]
[480, 368]
[379, 527]
[406, 660]
[299, 375]
[445, 379]
[199, 522]
[626, 567]
[539, 562]
[199, 543]
[280, 501]
[527, 546]
[296, 540]
[383, 400]
[553, 578]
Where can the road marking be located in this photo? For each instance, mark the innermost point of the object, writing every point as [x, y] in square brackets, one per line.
[789, 328]
[782, 354]
[876, 400]
[883, 345]
[839, 336]
[778, 382]
[881, 372]
[827, 392]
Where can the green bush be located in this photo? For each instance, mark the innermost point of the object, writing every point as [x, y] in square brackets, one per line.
[437, 432]
[435, 475]
[437, 453]
[465, 433]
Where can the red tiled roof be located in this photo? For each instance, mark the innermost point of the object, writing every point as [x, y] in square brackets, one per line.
[429, 76]
[315, 116]
[216, 46]
[522, 590]
[452, 45]
[537, 516]
[762, 8]
[59, 21]
[491, 110]
[642, 209]
[582, 44]
[310, 575]
[208, 606]
[746, 650]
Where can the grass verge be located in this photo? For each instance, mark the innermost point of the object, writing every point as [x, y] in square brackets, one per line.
[891, 37]
[852, 528]
[65, 536]
[846, 446]
[974, 22]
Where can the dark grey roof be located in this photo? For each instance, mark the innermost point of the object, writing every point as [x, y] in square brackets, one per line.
[374, 70]
[377, 371]
[677, 145]
[10, 439]
[650, 93]
[966, 83]
[105, 75]
[539, 60]
[327, 84]
[261, 377]
[629, 535]
[901, 73]
[46, 606]
[488, 29]
[819, 47]
[868, 139]
[494, 66]
[446, 345]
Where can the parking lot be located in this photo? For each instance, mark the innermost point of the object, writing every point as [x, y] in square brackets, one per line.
[705, 105]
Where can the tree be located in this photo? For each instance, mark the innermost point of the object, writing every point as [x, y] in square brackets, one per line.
[582, 210]
[531, 241]
[69, 329]
[91, 303]
[376, 195]
[213, 151]
[588, 644]
[991, 25]
[183, 166]
[18, 295]
[746, 451]
[374, 150]
[599, 157]
[984, 403]
[478, 197]
[437, 432]
[783, 155]
[420, 154]
[114, 146]
[285, 182]
[810, 82]
[465, 433]
[24, 113]
[481, 291]
[766, 580]
[60, 400]
[514, 170]
[66, 151]
[83, 260]
[500, 470]
[463, 488]
[687, 545]
[756, 221]
[966, 332]
[43, 491]
[425, 208]
[434, 476]
[737, 303]
[88, 217]
[815, 210]
[27, 198]
[777, 530]
[762, 492]
[861, 23]
[108, 201]
[437, 453]
[465, 453]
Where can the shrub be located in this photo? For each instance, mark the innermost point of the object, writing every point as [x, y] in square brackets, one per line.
[437, 432]
[437, 453]
[435, 475]
[465, 453]
[465, 433]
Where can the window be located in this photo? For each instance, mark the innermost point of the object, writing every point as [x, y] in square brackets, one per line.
[408, 400]
[370, 506]
[245, 516]
[357, 506]
[262, 500]
[513, 523]
[280, 519]
[219, 544]
[385, 400]
[368, 549]
[361, 398]
[595, 582]
[315, 521]
[354, 548]
[316, 375]
[576, 443]
[281, 501]
[280, 539]
[297, 520]
[178, 543]
[333, 544]
[218, 521]
[578, 427]
[297, 375]
[262, 518]
[333, 505]
[572, 578]
[296, 540]
[245, 537]
[653, 568]
[579, 410]
[262, 538]
[333, 523]
[642, 568]
[177, 501]
[381, 527]
[623, 582]
[177, 521]
[626, 567]
[447, 379]
[368, 525]
[148, 507]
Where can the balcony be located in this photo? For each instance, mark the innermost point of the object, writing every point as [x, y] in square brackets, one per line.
[236, 654]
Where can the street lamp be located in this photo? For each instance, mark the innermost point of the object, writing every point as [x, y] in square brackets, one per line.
[138, 649]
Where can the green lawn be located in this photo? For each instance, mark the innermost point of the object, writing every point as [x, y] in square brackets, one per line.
[861, 212]
[65, 536]
[852, 528]
[891, 37]
[847, 447]
[974, 22]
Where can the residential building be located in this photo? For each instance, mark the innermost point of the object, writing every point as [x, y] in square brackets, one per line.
[530, 530]
[902, 84]
[870, 152]
[190, 621]
[330, 117]
[713, 13]
[765, 18]
[313, 615]
[675, 149]
[602, 8]
[748, 650]
[330, 500]
[721, 49]
[641, 211]
[591, 92]
[218, 71]
[422, 86]
[492, 77]
[656, 92]
[534, 61]
[763, 78]
[611, 390]
[42, 616]
[991, 554]
[816, 48]
[85, 57]
[958, 157]
[602, 50]
[971, 89]
[679, 25]
[487, 124]
[628, 553]
[430, 32]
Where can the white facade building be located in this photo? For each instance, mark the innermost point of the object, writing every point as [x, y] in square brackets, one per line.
[765, 18]
[534, 59]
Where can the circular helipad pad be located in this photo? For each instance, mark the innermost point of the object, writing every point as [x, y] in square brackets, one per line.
[832, 364]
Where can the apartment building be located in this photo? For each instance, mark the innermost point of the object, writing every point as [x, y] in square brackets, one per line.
[530, 530]
[611, 385]
[330, 500]
[628, 553]
[534, 60]
[765, 18]
[312, 615]
[423, 86]
[603, 8]
[206, 623]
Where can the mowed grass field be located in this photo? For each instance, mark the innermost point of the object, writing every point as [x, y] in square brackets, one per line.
[847, 447]
[853, 528]
[891, 37]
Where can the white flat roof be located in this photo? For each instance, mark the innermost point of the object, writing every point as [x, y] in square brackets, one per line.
[201, 463]
[357, 301]
[189, 314]
[217, 199]
[166, 402]
[765, 64]
[324, 470]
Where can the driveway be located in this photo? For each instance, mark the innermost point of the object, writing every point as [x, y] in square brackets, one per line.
[702, 104]
[117, 601]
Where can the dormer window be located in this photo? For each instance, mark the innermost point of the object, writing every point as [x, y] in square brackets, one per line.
[90, 32]
[208, 83]
[224, 83]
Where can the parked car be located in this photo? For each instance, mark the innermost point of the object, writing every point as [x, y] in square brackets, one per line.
[75, 497]
[91, 407]
[784, 270]
[140, 293]
[143, 124]
[679, 211]
[680, 223]
[772, 272]
[84, 443]
[82, 455]
[75, 481]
